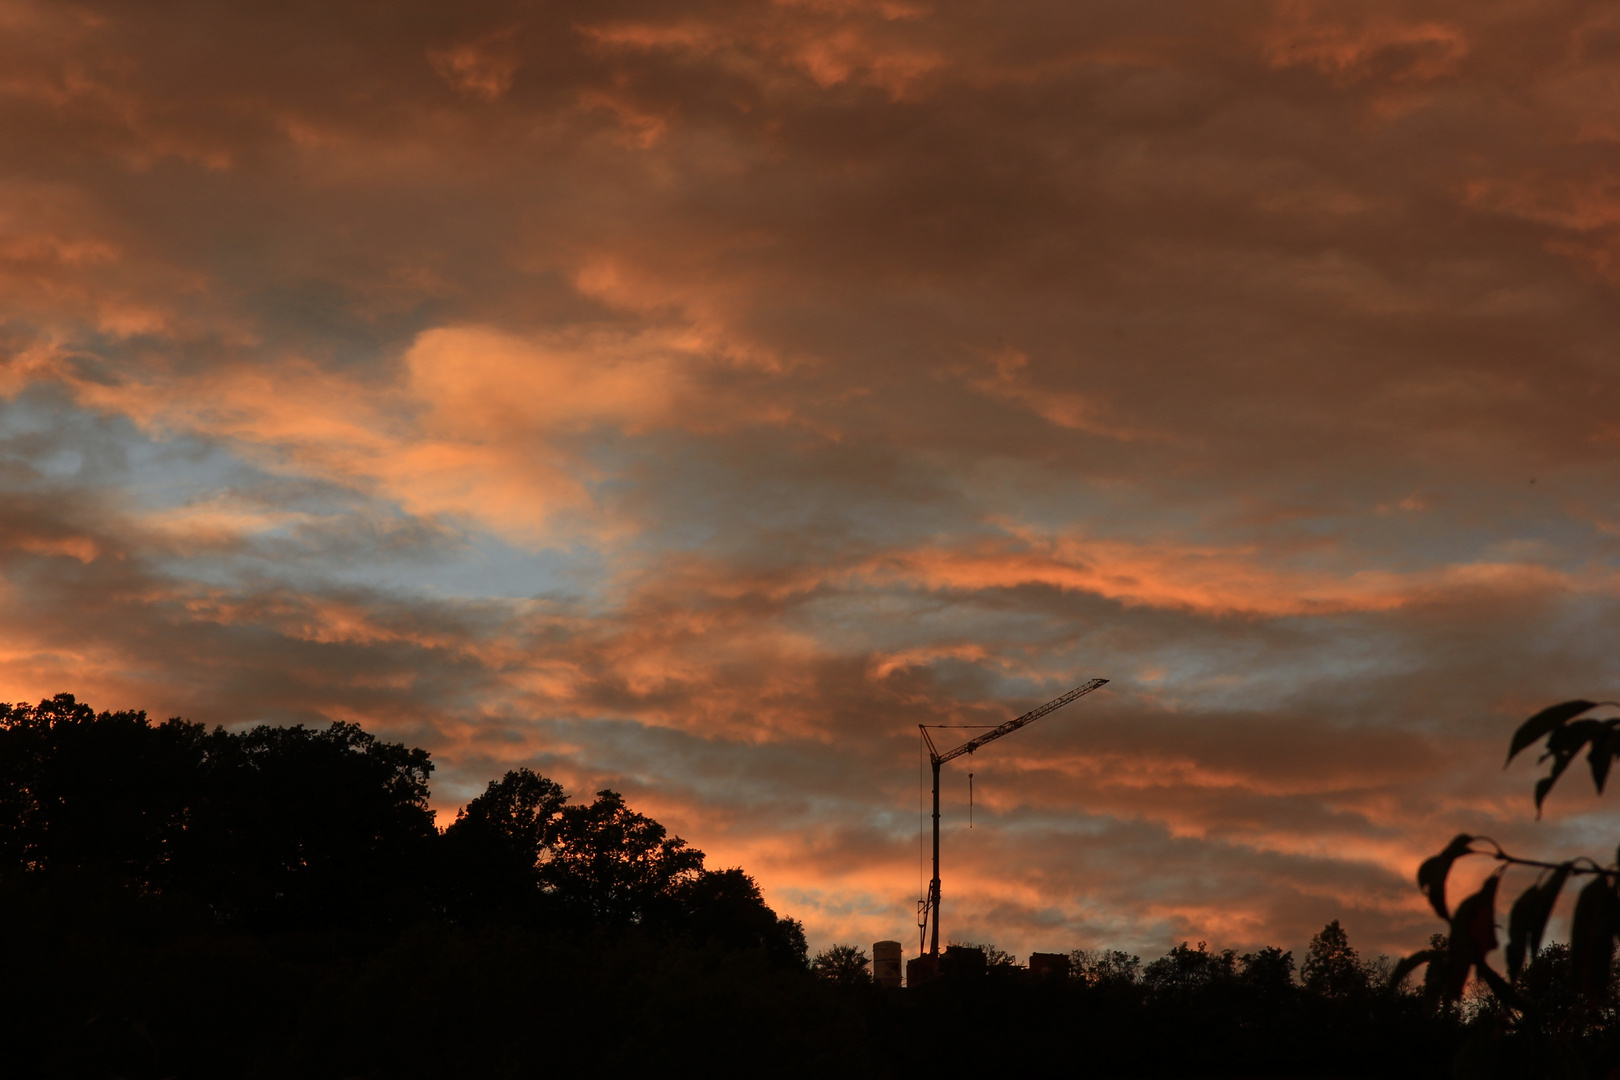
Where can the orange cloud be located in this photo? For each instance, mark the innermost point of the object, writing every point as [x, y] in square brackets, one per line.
[1011, 382]
[832, 43]
[481, 69]
[1372, 45]
[1219, 581]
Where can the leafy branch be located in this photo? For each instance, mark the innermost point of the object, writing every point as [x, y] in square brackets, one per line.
[1596, 924]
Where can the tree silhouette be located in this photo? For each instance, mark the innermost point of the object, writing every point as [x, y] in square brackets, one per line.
[274, 825]
[1185, 969]
[1106, 968]
[104, 793]
[845, 965]
[724, 908]
[308, 827]
[614, 865]
[515, 813]
[1332, 968]
[492, 851]
[1269, 970]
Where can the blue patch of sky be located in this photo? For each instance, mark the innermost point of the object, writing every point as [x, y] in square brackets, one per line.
[60, 445]
[484, 565]
[475, 566]
[327, 534]
[430, 563]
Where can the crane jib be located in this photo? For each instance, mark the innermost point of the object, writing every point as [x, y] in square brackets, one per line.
[1013, 725]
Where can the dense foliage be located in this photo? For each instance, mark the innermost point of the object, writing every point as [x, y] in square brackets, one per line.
[180, 902]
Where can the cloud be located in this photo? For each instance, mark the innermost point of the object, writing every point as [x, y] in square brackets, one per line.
[481, 70]
[696, 400]
[1373, 45]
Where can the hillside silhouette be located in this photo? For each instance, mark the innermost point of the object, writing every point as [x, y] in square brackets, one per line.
[185, 902]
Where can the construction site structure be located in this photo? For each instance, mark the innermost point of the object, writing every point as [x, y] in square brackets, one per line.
[886, 963]
[928, 907]
[969, 961]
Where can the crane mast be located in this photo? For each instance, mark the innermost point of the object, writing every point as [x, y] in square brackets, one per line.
[928, 908]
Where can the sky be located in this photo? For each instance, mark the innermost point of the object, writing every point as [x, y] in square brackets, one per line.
[693, 398]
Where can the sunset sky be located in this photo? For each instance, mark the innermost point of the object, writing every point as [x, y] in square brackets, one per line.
[692, 398]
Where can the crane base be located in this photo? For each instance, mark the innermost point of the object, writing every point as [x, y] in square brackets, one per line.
[919, 969]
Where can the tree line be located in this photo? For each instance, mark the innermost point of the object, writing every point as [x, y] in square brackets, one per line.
[279, 829]
[179, 901]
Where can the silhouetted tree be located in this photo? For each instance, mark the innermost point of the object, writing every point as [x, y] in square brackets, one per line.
[724, 909]
[615, 865]
[273, 825]
[1183, 969]
[1332, 968]
[1109, 969]
[514, 817]
[845, 965]
[1555, 1005]
[1268, 970]
[106, 793]
[306, 827]
[492, 851]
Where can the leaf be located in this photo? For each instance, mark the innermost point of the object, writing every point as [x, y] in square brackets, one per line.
[1567, 741]
[1528, 920]
[1543, 786]
[1476, 917]
[1562, 746]
[1473, 934]
[1591, 945]
[1604, 748]
[1411, 963]
[1542, 723]
[1432, 874]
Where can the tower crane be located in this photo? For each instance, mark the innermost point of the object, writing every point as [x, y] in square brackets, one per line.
[928, 908]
